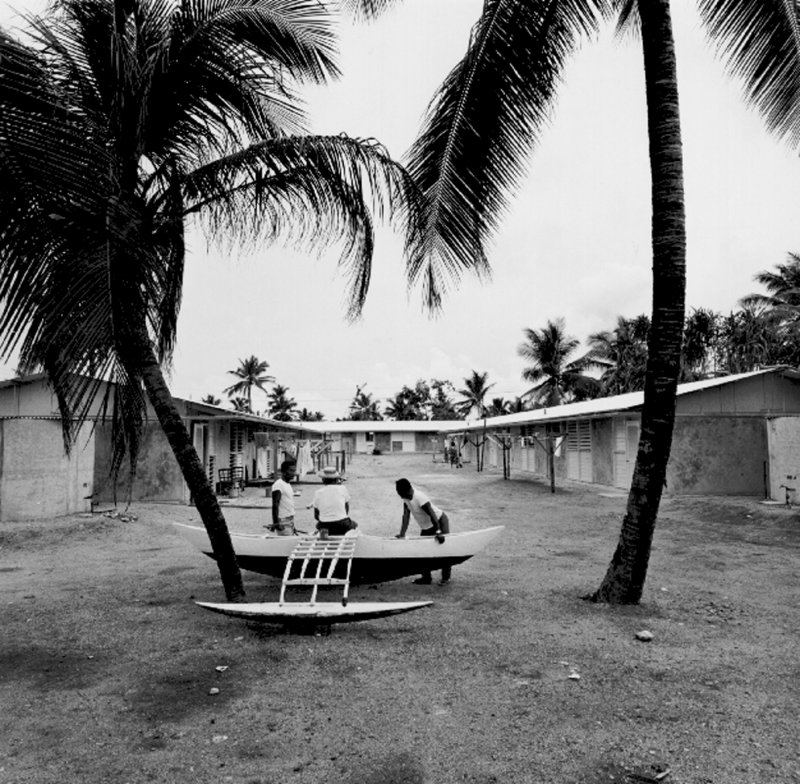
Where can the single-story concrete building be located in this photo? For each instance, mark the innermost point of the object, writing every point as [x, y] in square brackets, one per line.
[385, 436]
[736, 435]
[38, 479]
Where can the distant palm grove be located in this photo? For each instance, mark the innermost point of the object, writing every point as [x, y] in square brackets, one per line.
[763, 331]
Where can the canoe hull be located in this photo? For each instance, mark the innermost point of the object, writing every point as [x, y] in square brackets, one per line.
[312, 614]
[376, 560]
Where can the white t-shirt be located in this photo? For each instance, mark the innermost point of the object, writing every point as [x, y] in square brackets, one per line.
[286, 505]
[330, 502]
[418, 500]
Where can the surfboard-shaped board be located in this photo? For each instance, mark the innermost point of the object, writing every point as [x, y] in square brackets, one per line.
[319, 612]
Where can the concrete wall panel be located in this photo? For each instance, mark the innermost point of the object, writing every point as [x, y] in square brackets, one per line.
[720, 455]
[602, 451]
[158, 477]
[38, 479]
[783, 435]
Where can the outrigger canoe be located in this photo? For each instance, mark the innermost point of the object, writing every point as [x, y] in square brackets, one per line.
[376, 559]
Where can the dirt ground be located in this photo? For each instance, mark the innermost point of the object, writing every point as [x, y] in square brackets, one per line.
[106, 663]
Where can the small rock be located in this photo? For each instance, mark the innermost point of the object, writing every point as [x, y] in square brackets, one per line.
[574, 676]
[213, 691]
[644, 635]
[221, 668]
[219, 738]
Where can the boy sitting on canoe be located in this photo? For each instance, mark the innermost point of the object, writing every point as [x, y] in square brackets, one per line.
[432, 522]
[332, 504]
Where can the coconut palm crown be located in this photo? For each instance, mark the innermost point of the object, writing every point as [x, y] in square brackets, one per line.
[121, 123]
[557, 378]
[251, 373]
[487, 118]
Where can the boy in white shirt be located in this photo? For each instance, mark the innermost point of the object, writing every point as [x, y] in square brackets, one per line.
[332, 504]
[432, 522]
[283, 501]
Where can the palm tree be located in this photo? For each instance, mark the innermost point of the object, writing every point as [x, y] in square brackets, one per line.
[124, 120]
[700, 336]
[623, 353]
[782, 302]
[281, 405]
[487, 116]
[782, 285]
[310, 416]
[240, 404]
[442, 406]
[557, 379]
[211, 400]
[473, 395]
[363, 407]
[748, 339]
[404, 406]
[251, 373]
[499, 406]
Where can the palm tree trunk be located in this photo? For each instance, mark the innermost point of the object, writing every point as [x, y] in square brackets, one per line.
[624, 580]
[140, 353]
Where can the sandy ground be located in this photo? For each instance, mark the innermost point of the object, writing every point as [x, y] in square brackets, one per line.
[108, 665]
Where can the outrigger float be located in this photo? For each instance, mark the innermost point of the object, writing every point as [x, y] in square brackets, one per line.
[311, 561]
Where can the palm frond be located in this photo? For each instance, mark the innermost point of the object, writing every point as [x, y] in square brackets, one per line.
[368, 9]
[311, 190]
[760, 43]
[483, 124]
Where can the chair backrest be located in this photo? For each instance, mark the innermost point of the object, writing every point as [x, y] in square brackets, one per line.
[235, 474]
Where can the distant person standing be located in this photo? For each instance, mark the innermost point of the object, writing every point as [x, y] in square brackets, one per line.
[283, 501]
[432, 522]
[455, 454]
[332, 504]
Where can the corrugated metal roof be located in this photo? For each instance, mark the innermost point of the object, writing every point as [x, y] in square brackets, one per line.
[606, 405]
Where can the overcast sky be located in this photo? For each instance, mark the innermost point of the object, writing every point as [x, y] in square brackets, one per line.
[576, 243]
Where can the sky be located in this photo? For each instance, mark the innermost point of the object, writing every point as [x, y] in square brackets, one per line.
[575, 243]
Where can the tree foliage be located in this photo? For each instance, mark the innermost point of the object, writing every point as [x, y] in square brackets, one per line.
[473, 395]
[251, 373]
[120, 122]
[363, 407]
[557, 378]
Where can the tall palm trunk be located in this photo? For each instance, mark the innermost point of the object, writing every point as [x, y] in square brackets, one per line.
[624, 580]
[140, 353]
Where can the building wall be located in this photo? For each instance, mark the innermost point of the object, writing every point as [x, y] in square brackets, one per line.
[35, 398]
[710, 454]
[783, 439]
[603, 451]
[29, 399]
[724, 455]
[361, 444]
[37, 479]
[387, 442]
[157, 478]
[427, 442]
